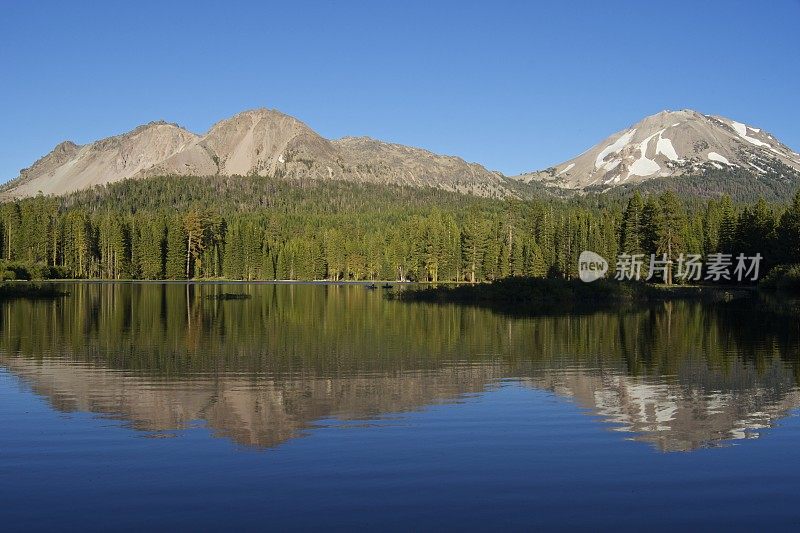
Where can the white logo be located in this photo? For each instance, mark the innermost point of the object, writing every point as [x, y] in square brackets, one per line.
[591, 266]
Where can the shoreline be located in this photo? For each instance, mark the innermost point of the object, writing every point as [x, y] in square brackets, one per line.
[234, 281]
[535, 295]
[515, 295]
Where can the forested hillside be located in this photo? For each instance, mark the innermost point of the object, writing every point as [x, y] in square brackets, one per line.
[775, 185]
[262, 228]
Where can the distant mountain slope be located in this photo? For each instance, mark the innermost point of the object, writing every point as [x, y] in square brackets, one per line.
[257, 142]
[685, 146]
[671, 144]
[70, 167]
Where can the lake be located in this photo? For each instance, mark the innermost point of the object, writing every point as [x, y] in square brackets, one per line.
[151, 405]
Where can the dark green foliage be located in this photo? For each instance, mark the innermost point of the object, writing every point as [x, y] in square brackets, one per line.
[784, 279]
[652, 221]
[175, 262]
[22, 270]
[262, 228]
[776, 185]
[756, 230]
[727, 226]
[671, 231]
[789, 233]
[632, 237]
[28, 291]
[537, 296]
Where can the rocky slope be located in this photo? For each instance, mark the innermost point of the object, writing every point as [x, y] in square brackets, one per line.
[269, 143]
[257, 142]
[70, 167]
[669, 144]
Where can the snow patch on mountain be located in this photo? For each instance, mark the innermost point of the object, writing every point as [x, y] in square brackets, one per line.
[773, 150]
[644, 166]
[741, 130]
[674, 143]
[566, 169]
[714, 156]
[614, 147]
[664, 146]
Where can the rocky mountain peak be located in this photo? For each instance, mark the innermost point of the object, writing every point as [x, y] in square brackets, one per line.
[668, 144]
[262, 142]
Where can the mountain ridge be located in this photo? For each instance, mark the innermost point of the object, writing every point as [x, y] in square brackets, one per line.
[259, 141]
[669, 144]
[267, 142]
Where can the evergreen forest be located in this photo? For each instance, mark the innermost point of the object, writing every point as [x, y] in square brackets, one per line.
[255, 228]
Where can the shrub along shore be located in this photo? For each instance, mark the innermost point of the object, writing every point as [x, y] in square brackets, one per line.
[30, 291]
[532, 294]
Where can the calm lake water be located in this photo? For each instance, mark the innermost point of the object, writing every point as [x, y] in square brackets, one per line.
[150, 405]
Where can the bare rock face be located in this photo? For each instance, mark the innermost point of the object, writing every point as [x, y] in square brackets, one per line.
[259, 142]
[70, 167]
[668, 144]
[366, 159]
[266, 142]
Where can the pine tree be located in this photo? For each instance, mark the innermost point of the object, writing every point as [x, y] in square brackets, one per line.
[755, 230]
[473, 245]
[535, 264]
[727, 226]
[712, 219]
[175, 264]
[789, 231]
[274, 229]
[652, 220]
[631, 239]
[153, 246]
[671, 231]
[196, 226]
[334, 254]
[234, 251]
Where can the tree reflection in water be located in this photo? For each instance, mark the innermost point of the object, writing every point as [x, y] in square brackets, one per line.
[262, 370]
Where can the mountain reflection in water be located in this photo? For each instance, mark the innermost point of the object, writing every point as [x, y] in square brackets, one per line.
[261, 371]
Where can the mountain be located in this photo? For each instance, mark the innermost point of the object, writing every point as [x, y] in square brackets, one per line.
[671, 144]
[70, 167]
[728, 156]
[257, 142]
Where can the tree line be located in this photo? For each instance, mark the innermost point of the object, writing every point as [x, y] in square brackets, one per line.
[252, 228]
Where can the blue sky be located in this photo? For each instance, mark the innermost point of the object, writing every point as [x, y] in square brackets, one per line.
[513, 85]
